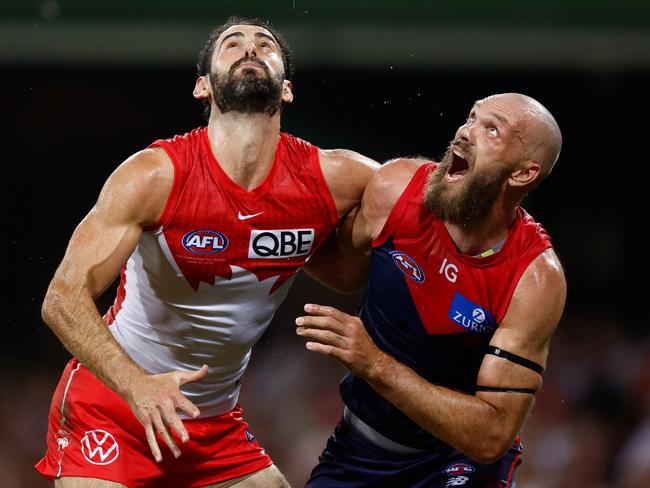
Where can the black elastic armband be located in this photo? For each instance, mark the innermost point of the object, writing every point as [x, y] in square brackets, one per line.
[506, 389]
[513, 358]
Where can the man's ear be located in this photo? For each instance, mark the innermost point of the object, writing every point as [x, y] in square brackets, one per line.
[287, 93]
[527, 173]
[202, 88]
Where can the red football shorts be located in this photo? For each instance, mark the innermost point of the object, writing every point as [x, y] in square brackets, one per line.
[93, 433]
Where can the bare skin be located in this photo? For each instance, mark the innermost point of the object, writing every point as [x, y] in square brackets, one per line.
[500, 130]
[270, 477]
[133, 198]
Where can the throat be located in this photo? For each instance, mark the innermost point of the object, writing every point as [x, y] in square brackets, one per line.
[494, 249]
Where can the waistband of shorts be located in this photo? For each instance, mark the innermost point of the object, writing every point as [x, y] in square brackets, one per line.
[375, 437]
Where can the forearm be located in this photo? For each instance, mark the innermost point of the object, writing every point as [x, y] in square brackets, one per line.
[340, 267]
[473, 426]
[72, 315]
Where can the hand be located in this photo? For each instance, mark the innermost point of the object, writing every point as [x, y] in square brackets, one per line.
[154, 400]
[341, 336]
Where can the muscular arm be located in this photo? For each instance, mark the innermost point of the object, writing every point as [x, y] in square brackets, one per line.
[341, 263]
[482, 426]
[99, 246]
[132, 198]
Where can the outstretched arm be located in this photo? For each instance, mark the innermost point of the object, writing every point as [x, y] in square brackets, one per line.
[365, 200]
[133, 197]
[482, 426]
[341, 263]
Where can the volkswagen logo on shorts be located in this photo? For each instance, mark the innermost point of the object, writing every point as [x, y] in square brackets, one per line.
[99, 447]
[205, 241]
[408, 266]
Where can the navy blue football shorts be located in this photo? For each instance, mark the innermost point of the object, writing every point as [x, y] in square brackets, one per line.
[351, 460]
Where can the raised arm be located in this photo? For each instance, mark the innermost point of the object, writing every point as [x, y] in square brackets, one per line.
[133, 198]
[481, 426]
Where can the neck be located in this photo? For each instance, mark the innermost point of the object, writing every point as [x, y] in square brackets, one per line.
[244, 145]
[477, 237]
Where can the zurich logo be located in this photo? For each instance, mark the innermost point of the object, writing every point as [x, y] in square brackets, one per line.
[478, 315]
[470, 315]
[205, 241]
[408, 266]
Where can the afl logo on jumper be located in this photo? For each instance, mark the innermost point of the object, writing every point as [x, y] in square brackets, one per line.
[458, 468]
[205, 241]
[470, 316]
[280, 243]
[99, 447]
[408, 266]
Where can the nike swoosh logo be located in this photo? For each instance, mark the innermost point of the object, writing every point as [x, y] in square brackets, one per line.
[241, 216]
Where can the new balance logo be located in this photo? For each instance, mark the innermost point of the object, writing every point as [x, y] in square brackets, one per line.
[99, 447]
[241, 216]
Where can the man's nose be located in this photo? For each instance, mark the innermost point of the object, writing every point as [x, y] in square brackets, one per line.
[250, 49]
[463, 133]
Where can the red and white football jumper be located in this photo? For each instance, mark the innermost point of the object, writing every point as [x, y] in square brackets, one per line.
[203, 284]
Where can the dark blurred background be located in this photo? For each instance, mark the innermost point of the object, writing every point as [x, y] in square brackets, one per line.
[86, 84]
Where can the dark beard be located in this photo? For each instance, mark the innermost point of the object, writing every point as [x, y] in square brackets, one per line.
[472, 203]
[248, 94]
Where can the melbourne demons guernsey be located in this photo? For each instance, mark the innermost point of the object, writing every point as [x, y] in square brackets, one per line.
[433, 308]
[203, 285]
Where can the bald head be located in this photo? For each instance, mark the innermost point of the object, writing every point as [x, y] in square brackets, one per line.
[539, 130]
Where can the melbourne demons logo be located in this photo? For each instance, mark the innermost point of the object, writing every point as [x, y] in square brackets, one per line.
[408, 266]
[205, 241]
[99, 447]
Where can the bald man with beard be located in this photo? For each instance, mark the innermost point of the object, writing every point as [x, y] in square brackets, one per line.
[464, 294]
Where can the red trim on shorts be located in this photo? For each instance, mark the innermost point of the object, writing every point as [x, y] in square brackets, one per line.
[512, 469]
[93, 433]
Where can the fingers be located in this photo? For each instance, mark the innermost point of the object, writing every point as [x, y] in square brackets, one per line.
[322, 310]
[191, 376]
[152, 441]
[324, 349]
[323, 336]
[323, 317]
[165, 435]
[174, 421]
[186, 406]
[326, 323]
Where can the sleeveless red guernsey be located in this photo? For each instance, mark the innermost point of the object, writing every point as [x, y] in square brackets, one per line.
[202, 286]
[433, 308]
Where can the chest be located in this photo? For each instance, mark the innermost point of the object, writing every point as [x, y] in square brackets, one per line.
[440, 293]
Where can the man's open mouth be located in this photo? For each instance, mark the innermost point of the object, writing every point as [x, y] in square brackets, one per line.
[458, 167]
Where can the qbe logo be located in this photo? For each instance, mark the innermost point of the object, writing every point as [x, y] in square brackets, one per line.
[280, 243]
[205, 241]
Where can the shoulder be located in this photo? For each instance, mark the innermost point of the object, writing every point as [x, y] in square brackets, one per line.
[142, 182]
[546, 272]
[146, 167]
[346, 173]
[344, 160]
[384, 190]
[389, 182]
[539, 298]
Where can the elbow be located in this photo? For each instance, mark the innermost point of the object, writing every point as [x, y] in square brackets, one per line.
[53, 305]
[492, 449]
